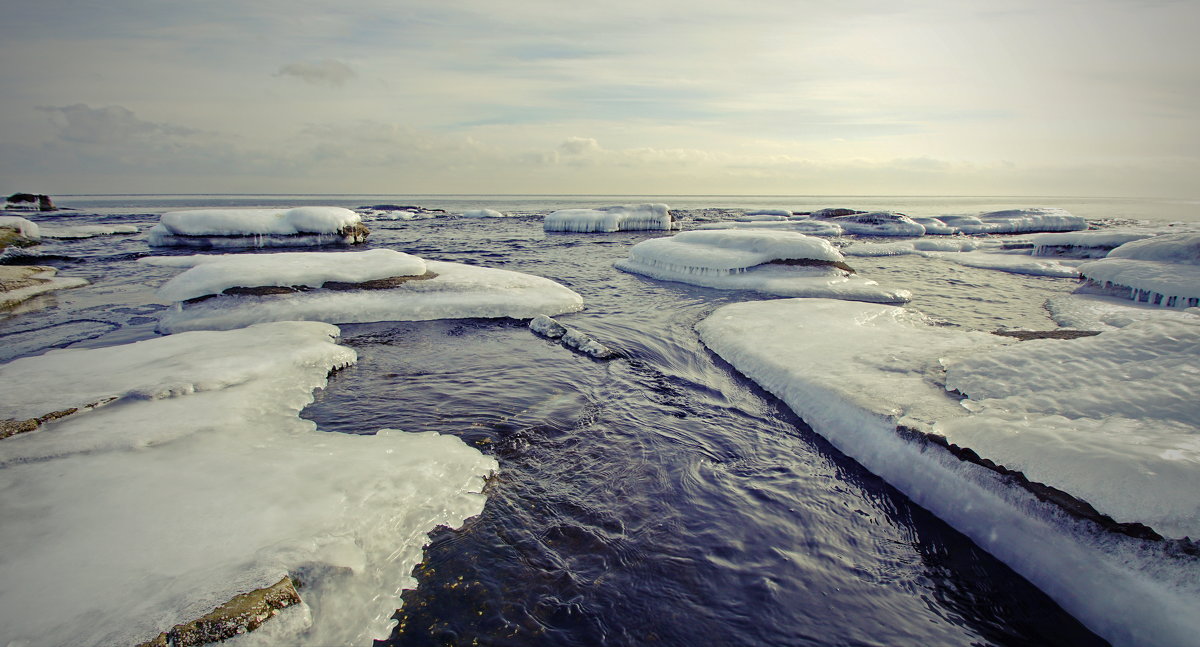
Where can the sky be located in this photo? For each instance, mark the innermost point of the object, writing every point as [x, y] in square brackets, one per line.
[631, 97]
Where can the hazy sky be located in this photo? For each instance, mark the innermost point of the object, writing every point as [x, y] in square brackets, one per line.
[969, 97]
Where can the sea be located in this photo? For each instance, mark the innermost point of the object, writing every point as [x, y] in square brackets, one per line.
[657, 499]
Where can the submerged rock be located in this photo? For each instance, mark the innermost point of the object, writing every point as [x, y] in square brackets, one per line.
[242, 614]
[21, 282]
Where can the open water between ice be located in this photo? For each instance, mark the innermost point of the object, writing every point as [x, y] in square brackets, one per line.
[660, 498]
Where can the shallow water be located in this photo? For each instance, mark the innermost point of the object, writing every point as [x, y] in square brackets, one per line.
[659, 498]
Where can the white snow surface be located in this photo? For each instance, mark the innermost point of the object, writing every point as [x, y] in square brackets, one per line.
[200, 481]
[1015, 262]
[249, 222]
[736, 259]
[458, 291]
[856, 371]
[26, 228]
[609, 219]
[211, 274]
[1125, 439]
[1097, 312]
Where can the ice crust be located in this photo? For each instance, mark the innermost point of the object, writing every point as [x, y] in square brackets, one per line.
[736, 259]
[458, 291]
[200, 481]
[609, 219]
[211, 274]
[856, 371]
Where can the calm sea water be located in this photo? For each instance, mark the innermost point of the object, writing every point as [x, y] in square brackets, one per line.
[660, 499]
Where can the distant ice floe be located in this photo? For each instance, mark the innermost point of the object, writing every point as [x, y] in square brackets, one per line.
[1084, 244]
[781, 263]
[312, 286]
[1163, 270]
[610, 219]
[862, 375]
[197, 480]
[399, 212]
[801, 226]
[221, 228]
[482, 213]
[880, 223]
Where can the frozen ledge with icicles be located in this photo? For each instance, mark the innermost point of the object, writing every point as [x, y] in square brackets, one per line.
[230, 228]
[1162, 271]
[157, 480]
[781, 263]
[1084, 487]
[221, 292]
[610, 219]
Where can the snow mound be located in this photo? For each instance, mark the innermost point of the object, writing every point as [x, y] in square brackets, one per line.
[1163, 270]
[783, 263]
[455, 291]
[301, 226]
[200, 481]
[936, 227]
[213, 274]
[857, 373]
[880, 223]
[609, 219]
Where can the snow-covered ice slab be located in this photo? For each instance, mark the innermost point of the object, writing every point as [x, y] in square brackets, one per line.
[22, 227]
[1126, 438]
[781, 263]
[454, 291]
[214, 274]
[1163, 270]
[218, 228]
[1099, 312]
[857, 373]
[1015, 221]
[609, 219]
[482, 213]
[1084, 244]
[198, 480]
[880, 223]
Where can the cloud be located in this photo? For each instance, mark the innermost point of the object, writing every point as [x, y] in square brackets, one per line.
[327, 72]
[82, 124]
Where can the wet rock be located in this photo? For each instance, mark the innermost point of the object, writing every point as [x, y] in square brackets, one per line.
[1026, 335]
[570, 338]
[242, 614]
[21, 282]
[547, 327]
[44, 203]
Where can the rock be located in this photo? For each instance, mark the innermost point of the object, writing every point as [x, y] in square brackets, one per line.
[1026, 335]
[242, 614]
[547, 327]
[43, 201]
[21, 282]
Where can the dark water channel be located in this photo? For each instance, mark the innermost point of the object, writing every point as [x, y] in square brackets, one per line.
[658, 499]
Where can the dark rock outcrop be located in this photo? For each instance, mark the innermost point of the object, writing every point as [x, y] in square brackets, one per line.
[243, 613]
[43, 201]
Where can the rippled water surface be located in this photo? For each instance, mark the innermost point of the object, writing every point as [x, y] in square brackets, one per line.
[660, 498]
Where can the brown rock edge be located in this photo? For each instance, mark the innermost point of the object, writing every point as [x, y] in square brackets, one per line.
[264, 290]
[244, 613]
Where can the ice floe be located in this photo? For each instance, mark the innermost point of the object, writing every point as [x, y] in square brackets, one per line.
[609, 219]
[20, 226]
[197, 480]
[781, 263]
[298, 227]
[1163, 270]
[482, 213]
[444, 291]
[801, 226]
[866, 377]
[1083, 244]
[1014, 221]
